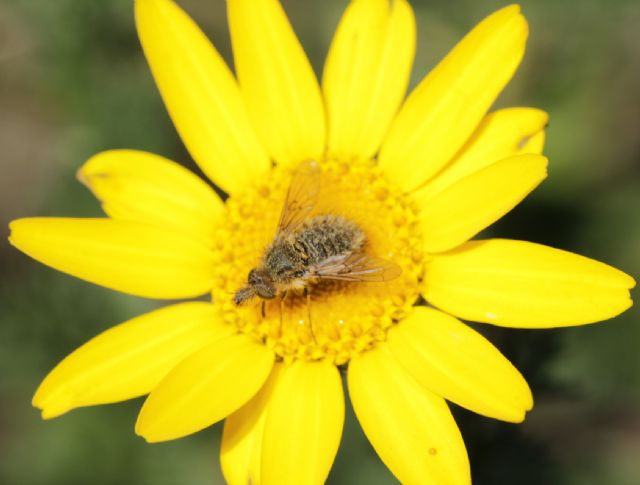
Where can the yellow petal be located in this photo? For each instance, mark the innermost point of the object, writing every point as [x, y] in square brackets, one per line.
[457, 363]
[303, 425]
[205, 388]
[472, 203]
[134, 258]
[411, 429]
[366, 75]
[201, 95]
[129, 359]
[277, 81]
[501, 134]
[522, 284]
[447, 106]
[143, 187]
[241, 451]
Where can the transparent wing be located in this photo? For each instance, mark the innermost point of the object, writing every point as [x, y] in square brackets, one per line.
[357, 267]
[301, 196]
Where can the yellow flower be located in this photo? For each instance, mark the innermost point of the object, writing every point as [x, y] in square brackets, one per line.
[420, 177]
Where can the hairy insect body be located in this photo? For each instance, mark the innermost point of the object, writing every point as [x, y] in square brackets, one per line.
[309, 248]
[292, 257]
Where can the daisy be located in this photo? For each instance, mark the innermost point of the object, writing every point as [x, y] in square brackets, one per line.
[419, 176]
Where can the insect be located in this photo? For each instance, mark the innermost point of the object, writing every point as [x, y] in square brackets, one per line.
[308, 249]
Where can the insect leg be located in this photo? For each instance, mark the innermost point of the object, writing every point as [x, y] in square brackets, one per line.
[263, 310]
[284, 295]
[307, 293]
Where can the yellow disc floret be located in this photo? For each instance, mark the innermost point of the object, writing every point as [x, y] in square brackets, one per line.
[337, 319]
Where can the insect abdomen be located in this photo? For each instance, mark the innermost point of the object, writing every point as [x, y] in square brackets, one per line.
[322, 237]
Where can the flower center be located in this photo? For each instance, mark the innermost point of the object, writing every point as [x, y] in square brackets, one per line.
[336, 319]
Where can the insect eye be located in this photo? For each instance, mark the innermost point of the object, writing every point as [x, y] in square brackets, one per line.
[252, 276]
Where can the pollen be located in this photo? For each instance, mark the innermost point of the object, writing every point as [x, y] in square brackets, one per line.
[336, 320]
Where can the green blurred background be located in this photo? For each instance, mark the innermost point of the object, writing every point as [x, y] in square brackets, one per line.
[73, 81]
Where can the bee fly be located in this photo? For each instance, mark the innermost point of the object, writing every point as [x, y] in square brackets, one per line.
[308, 249]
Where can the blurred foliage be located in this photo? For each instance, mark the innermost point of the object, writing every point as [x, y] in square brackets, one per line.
[73, 81]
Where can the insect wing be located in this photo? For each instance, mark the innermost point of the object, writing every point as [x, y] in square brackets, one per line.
[301, 196]
[358, 267]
